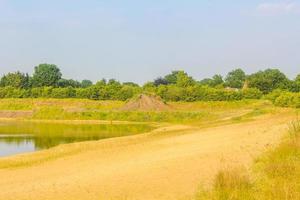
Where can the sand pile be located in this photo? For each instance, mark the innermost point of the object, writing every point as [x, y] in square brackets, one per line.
[145, 102]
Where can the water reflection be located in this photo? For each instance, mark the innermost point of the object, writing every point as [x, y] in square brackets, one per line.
[16, 148]
[18, 137]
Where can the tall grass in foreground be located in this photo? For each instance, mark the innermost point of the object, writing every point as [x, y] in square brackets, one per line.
[276, 175]
[294, 130]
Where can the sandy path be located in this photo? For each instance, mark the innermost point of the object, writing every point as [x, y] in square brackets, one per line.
[151, 166]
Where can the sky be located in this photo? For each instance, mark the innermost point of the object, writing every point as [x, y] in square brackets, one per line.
[134, 40]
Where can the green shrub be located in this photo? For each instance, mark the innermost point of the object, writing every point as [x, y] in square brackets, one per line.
[196, 93]
[10, 92]
[60, 93]
[127, 92]
[252, 93]
[36, 92]
[284, 100]
[274, 95]
[46, 92]
[296, 100]
[82, 93]
[287, 99]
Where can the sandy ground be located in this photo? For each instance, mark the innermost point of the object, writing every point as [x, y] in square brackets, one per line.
[165, 164]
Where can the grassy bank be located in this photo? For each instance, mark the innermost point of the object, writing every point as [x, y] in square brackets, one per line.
[276, 175]
[181, 112]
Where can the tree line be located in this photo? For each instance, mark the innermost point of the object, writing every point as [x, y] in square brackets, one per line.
[47, 82]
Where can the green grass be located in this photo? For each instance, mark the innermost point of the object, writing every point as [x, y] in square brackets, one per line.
[276, 175]
[136, 116]
[15, 104]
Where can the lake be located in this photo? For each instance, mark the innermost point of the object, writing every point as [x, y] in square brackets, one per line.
[21, 136]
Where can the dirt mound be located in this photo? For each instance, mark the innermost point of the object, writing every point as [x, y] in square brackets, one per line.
[145, 102]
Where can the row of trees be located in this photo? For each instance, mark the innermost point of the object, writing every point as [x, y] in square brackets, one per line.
[44, 75]
[124, 92]
[266, 81]
[47, 81]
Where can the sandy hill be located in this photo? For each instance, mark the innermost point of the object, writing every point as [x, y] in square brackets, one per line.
[144, 102]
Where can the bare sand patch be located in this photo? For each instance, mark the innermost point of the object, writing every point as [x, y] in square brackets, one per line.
[15, 113]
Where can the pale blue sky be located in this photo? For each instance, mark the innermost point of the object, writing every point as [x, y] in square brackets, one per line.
[134, 40]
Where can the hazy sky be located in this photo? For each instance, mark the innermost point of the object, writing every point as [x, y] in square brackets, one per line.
[138, 40]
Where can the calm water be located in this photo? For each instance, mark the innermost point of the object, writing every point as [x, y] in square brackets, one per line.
[20, 137]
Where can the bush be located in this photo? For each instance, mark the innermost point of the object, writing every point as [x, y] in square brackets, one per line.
[46, 92]
[10, 92]
[82, 93]
[296, 101]
[287, 99]
[127, 92]
[36, 92]
[170, 93]
[284, 100]
[274, 95]
[60, 93]
[213, 94]
[196, 93]
[87, 93]
[252, 93]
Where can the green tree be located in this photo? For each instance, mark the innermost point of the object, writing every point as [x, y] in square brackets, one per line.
[217, 80]
[15, 80]
[183, 80]
[294, 85]
[68, 83]
[131, 84]
[46, 75]
[179, 78]
[213, 82]
[109, 91]
[235, 78]
[67, 92]
[170, 92]
[127, 92]
[172, 78]
[160, 81]
[297, 79]
[268, 80]
[86, 83]
[101, 83]
[149, 87]
[206, 81]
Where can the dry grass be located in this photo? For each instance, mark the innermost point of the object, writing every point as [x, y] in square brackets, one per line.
[229, 185]
[276, 175]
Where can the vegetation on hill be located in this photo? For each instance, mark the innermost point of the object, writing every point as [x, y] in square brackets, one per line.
[138, 110]
[47, 82]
